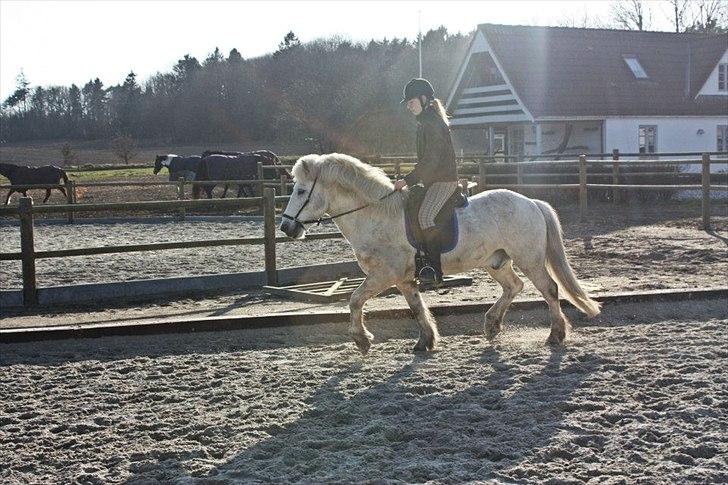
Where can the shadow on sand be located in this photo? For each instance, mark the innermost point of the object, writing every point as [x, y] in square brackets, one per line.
[409, 429]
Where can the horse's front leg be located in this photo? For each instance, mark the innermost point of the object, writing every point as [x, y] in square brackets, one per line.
[369, 288]
[428, 326]
[48, 195]
[7, 199]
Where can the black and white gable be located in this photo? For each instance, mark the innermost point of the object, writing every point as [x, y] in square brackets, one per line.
[483, 93]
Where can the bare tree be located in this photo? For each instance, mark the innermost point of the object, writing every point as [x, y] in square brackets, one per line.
[67, 154]
[708, 16]
[124, 147]
[678, 13]
[631, 14]
[582, 20]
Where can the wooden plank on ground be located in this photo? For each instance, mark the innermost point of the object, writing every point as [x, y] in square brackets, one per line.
[331, 291]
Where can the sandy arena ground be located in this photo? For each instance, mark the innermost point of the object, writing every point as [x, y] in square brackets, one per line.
[638, 395]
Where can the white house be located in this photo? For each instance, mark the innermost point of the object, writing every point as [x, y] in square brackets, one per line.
[550, 90]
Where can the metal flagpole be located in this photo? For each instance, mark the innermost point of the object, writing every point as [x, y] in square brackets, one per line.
[419, 38]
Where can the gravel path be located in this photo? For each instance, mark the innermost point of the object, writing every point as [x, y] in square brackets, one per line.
[637, 396]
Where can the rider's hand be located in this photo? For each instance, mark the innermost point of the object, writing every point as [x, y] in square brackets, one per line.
[400, 184]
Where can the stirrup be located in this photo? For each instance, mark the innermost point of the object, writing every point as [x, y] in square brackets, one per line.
[428, 274]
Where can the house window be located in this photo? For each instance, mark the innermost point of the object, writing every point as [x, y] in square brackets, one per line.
[722, 77]
[636, 67]
[722, 141]
[648, 138]
[482, 71]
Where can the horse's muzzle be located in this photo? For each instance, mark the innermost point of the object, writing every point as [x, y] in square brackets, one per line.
[292, 229]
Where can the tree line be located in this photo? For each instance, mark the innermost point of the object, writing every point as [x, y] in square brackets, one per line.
[332, 93]
[329, 94]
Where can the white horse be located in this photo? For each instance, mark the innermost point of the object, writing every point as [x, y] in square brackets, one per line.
[496, 229]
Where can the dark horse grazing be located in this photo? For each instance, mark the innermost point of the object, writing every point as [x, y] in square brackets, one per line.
[24, 175]
[217, 165]
[185, 167]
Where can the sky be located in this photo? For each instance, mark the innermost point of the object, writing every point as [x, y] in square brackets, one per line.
[64, 42]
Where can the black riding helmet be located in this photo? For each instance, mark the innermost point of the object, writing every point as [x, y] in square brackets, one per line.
[417, 87]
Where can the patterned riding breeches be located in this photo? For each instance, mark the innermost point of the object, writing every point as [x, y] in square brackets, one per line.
[436, 196]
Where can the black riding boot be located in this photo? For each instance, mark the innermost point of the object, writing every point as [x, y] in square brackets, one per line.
[433, 272]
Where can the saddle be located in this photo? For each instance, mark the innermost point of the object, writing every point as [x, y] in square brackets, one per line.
[446, 220]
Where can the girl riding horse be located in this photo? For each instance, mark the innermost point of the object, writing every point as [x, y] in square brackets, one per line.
[435, 168]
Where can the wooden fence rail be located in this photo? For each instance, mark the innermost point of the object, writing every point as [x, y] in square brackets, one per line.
[267, 203]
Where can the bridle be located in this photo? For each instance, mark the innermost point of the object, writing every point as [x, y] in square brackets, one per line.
[322, 218]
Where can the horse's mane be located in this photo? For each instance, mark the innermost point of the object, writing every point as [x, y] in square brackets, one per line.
[349, 174]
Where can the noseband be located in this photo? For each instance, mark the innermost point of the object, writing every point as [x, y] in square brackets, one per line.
[322, 218]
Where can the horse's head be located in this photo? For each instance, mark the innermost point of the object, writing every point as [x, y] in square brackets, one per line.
[308, 199]
[158, 163]
[6, 169]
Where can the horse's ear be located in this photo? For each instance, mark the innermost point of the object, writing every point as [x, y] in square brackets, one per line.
[305, 167]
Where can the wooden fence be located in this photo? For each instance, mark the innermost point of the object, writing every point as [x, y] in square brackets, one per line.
[267, 203]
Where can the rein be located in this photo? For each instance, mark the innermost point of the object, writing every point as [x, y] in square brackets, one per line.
[328, 218]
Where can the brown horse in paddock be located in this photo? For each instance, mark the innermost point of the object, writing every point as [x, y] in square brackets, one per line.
[25, 175]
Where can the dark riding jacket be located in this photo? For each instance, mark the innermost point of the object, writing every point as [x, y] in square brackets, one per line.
[435, 153]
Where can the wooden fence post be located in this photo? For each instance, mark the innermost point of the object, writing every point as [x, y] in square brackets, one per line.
[181, 196]
[706, 191]
[481, 175]
[269, 233]
[616, 193]
[70, 198]
[284, 184]
[261, 178]
[397, 168]
[27, 251]
[519, 174]
[582, 188]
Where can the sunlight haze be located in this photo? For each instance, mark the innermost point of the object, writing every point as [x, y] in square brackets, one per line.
[59, 43]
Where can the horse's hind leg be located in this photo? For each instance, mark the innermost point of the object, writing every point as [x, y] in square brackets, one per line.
[550, 290]
[502, 272]
[428, 327]
[369, 288]
[7, 199]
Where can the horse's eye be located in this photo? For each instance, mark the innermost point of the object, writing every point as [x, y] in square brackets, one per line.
[301, 191]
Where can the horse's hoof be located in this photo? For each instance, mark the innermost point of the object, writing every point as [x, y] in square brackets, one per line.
[363, 342]
[420, 347]
[425, 346]
[492, 331]
[556, 337]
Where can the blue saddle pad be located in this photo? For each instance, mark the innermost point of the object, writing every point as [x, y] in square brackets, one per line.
[448, 227]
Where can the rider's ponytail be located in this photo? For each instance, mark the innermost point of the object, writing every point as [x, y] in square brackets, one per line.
[439, 109]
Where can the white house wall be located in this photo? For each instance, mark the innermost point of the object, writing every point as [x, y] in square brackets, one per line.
[711, 85]
[673, 135]
[586, 137]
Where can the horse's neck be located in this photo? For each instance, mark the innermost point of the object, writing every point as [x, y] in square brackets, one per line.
[367, 224]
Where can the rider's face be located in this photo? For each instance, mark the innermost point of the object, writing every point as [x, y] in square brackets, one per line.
[414, 106]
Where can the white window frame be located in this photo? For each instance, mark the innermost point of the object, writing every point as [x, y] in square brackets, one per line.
[636, 68]
[721, 138]
[723, 77]
[643, 133]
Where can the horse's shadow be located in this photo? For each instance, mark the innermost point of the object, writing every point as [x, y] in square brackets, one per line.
[395, 429]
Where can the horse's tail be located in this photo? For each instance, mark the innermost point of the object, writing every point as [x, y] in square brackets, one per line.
[559, 267]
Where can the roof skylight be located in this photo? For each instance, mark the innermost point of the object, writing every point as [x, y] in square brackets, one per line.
[636, 67]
